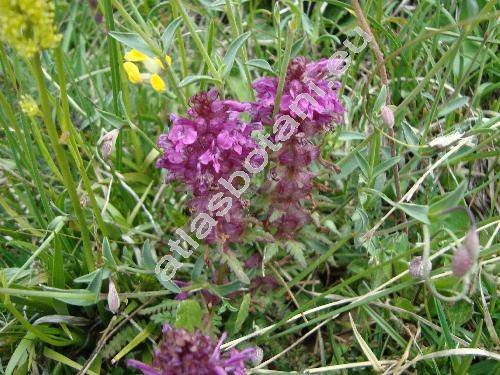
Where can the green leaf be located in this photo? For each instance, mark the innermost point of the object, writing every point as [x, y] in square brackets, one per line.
[189, 80]
[270, 251]
[106, 251]
[385, 165]
[224, 290]
[363, 164]
[198, 267]
[96, 284]
[20, 355]
[86, 279]
[242, 313]
[297, 47]
[452, 105]
[419, 212]
[459, 313]
[79, 297]
[111, 118]
[168, 34]
[133, 41]
[345, 135]
[188, 315]
[235, 266]
[381, 99]
[233, 49]
[143, 335]
[446, 333]
[261, 64]
[147, 258]
[167, 284]
[296, 249]
[449, 200]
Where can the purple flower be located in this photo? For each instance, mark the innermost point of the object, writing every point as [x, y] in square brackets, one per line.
[303, 78]
[312, 102]
[184, 353]
[210, 143]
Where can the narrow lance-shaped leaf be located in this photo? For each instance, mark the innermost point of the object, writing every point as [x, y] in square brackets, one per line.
[230, 56]
[169, 33]
[133, 41]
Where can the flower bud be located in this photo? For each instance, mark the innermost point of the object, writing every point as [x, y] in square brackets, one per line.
[113, 297]
[108, 141]
[466, 254]
[417, 269]
[471, 242]
[387, 115]
[461, 262]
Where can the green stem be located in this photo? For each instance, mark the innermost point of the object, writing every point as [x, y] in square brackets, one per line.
[62, 161]
[68, 126]
[236, 29]
[283, 69]
[190, 25]
[115, 76]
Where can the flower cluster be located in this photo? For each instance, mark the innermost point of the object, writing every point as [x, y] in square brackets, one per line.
[28, 106]
[28, 25]
[183, 353]
[311, 100]
[210, 143]
[153, 65]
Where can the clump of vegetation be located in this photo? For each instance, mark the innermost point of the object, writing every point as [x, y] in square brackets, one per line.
[231, 187]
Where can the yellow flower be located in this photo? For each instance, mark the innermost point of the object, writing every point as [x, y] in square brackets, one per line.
[28, 25]
[133, 73]
[157, 83]
[135, 56]
[153, 65]
[168, 60]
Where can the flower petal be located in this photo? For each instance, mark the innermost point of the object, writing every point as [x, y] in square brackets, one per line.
[157, 83]
[132, 71]
[135, 56]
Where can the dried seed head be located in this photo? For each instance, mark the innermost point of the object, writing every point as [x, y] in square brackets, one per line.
[418, 270]
[387, 115]
[113, 297]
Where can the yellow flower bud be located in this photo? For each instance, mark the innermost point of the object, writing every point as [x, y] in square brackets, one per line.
[168, 60]
[158, 61]
[157, 83]
[133, 73]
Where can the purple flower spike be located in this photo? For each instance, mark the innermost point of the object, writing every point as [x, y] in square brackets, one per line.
[181, 352]
[210, 143]
[312, 101]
